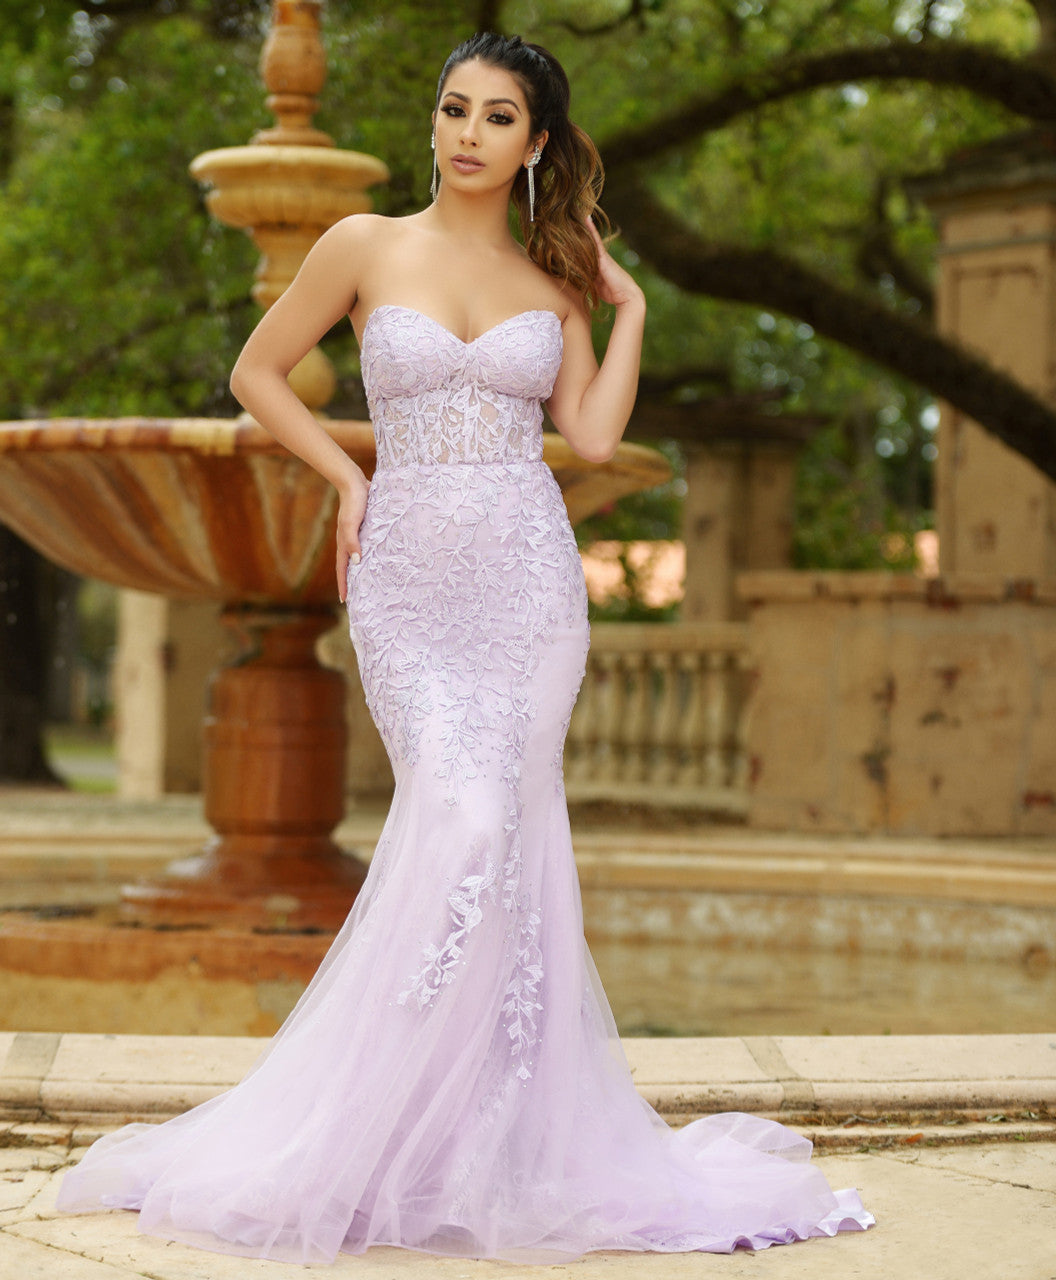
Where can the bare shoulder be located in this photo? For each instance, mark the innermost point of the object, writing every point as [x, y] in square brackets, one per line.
[572, 309]
[360, 232]
[368, 236]
[550, 292]
[356, 249]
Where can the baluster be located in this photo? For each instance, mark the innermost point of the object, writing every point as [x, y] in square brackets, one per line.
[636, 720]
[609, 721]
[666, 708]
[690, 771]
[744, 671]
[663, 767]
[715, 702]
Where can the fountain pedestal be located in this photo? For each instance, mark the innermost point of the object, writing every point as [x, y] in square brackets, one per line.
[274, 766]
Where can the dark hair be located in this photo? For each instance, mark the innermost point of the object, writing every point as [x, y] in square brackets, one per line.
[569, 176]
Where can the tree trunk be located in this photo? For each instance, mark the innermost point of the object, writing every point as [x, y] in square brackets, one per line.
[23, 665]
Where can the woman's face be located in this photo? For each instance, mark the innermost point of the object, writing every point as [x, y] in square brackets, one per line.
[483, 130]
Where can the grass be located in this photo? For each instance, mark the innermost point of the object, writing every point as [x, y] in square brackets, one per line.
[83, 756]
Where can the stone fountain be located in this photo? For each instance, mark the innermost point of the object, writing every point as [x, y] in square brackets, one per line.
[212, 509]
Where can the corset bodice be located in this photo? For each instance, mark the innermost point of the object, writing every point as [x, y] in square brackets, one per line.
[435, 399]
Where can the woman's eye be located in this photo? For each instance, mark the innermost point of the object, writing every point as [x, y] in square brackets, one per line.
[454, 110]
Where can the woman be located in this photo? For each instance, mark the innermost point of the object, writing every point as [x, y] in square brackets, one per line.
[452, 1079]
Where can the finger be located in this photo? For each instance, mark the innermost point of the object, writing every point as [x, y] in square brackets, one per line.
[344, 560]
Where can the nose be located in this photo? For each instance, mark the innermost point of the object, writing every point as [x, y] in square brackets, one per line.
[468, 133]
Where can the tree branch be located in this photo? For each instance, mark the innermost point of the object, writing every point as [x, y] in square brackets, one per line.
[682, 380]
[488, 15]
[719, 420]
[878, 255]
[903, 344]
[636, 9]
[1019, 86]
[664, 410]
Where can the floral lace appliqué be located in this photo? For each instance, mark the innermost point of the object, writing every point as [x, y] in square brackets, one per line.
[522, 996]
[439, 963]
[468, 568]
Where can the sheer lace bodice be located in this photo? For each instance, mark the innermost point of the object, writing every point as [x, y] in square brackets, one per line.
[492, 413]
[452, 1079]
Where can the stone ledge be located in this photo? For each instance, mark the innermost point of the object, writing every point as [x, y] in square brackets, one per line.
[107, 1080]
[771, 586]
[834, 869]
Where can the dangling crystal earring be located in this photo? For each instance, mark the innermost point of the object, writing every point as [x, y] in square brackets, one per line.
[433, 184]
[533, 160]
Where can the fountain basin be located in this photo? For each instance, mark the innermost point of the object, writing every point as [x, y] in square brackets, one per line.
[195, 508]
[215, 509]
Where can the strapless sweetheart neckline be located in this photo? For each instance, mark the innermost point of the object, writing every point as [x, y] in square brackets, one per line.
[413, 311]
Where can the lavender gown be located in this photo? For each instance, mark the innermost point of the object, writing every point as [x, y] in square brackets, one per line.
[452, 1080]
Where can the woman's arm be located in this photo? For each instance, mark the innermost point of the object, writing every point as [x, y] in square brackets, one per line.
[591, 406]
[323, 291]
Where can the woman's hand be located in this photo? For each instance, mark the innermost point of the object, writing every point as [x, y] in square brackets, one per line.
[350, 512]
[614, 285]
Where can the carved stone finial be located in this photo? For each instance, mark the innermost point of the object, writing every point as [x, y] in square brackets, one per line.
[293, 68]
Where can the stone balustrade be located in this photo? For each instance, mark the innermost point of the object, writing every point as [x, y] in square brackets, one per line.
[661, 717]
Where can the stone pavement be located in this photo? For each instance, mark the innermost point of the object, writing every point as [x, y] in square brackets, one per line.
[950, 1140]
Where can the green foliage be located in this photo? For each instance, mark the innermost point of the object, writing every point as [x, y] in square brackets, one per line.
[845, 516]
[655, 514]
[97, 623]
[864, 480]
[122, 296]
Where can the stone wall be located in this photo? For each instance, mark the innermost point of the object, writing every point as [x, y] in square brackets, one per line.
[738, 517]
[997, 295]
[893, 704]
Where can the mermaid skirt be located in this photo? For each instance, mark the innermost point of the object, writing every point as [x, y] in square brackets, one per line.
[452, 1079]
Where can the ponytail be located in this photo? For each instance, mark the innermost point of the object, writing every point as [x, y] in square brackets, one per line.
[568, 181]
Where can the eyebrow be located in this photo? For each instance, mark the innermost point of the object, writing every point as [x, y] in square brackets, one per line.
[488, 102]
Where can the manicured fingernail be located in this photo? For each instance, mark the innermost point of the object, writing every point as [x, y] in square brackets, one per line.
[354, 557]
